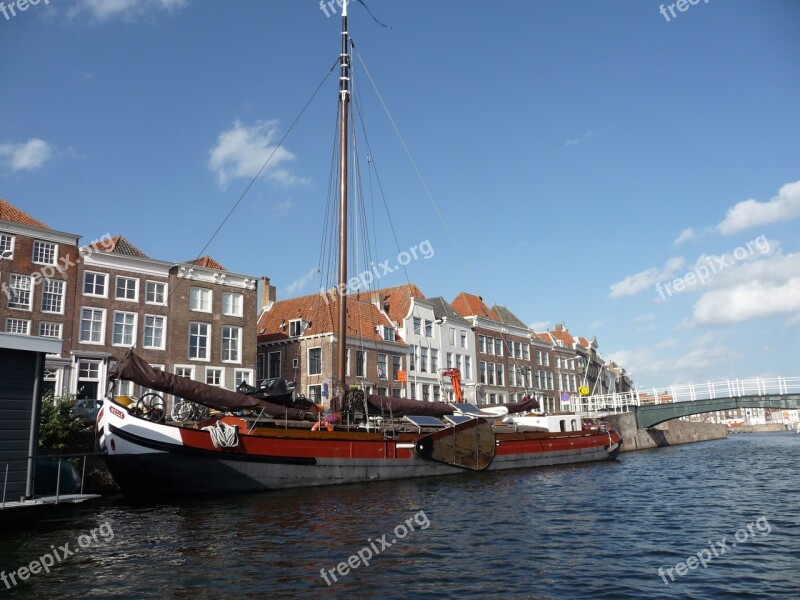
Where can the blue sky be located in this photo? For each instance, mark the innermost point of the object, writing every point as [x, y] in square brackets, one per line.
[582, 153]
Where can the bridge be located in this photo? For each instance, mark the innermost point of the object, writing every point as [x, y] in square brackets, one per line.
[658, 405]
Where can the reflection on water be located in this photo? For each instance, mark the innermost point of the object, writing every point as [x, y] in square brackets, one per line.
[590, 531]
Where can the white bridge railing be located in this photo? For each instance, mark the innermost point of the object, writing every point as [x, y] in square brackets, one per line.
[730, 388]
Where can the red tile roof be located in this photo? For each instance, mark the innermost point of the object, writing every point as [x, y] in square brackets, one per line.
[395, 300]
[322, 313]
[469, 305]
[118, 245]
[564, 336]
[207, 262]
[9, 212]
[584, 342]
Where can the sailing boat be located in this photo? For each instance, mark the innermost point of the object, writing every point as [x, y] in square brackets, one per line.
[282, 446]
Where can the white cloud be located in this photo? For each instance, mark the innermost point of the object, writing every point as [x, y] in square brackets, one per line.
[241, 152]
[752, 213]
[587, 135]
[540, 325]
[634, 284]
[301, 282]
[104, 10]
[26, 156]
[757, 289]
[686, 235]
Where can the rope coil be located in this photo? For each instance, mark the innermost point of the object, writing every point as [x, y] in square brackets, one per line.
[223, 435]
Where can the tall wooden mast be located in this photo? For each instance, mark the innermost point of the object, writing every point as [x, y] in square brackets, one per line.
[344, 108]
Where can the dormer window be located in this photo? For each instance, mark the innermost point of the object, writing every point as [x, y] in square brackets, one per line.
[388, 334]
[295, 328]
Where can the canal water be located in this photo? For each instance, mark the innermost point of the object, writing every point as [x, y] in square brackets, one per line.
[720, 519]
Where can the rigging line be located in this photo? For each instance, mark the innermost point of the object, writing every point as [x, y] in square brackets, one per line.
[416, 169]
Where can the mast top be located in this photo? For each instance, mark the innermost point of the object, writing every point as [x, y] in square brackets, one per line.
[344, 7]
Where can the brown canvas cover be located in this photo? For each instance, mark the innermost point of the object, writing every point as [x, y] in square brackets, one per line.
[400, 407]
[133, 368]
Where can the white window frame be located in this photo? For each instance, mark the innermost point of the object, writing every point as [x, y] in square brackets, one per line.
[165, 287]
[308, 360]
[218, 370]
[11, 295]
[59, 326]
[135, 288]
[26, 322]
[315, 397]
[37, 244]
[363, 369]
[179, 368]
[163, 332]
[7, 247]
[198, 293]
[223, 349]
[237, 307]
[102, 312]
[134, 327]
[248, 373]
[295, 325]
[207, 336]
[61, 295]
[95, 274]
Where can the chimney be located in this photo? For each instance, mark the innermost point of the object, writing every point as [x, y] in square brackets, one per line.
[561, 327]
[268, 293]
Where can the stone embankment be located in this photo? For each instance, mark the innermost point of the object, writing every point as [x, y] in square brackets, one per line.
[768, 428]
[669, 433]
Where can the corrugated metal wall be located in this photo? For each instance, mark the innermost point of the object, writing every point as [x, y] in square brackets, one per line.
[17, 375]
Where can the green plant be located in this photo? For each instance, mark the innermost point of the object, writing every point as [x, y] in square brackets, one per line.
[59, 428]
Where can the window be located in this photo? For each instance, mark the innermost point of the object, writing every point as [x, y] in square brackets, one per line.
[538, 357]
[382, 364]
[200, 299]
[6, 246]
[428, 328]
[412, 358]
[347, 362]
[231, 344]
[463, 339]
[93, 322]
[434, 360]
[187, 372]
[382, 391]
[482, 344]
[232, 304]
[241, 376]
[467, 367]
[458, 363]
[361, 363]
[51, 330]
[498, 346]
[127, 288]
[154, 332]
[314, 361]
[483, 371]
[512, 377]
[19, 292]
[53, 296]
[295, 329]
[155, 293]
[19, 326]
[546, 359]
[452, 336]
[44, 253]
[88, 379]
[417, 325]
[274, 365]
[436, 395]
[124, 329]
[491, 371]
[388, 334]
[397, 366]
[198, 341]
[550, 381]
[215, 376]
[315, 393]
[94, 284]
[423, 360]
[449, 360]
[124, 388]
[395, 392]
[510, 347]
[500, 379]
[518, 349]
[426, 392]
